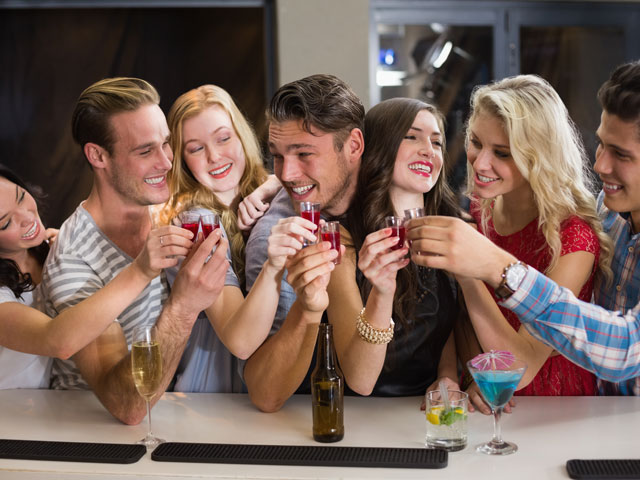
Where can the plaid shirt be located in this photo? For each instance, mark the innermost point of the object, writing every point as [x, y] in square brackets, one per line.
[604, 342]
[624, 291]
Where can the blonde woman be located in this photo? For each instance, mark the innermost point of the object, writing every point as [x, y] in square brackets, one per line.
[531, 195]
[217, 167]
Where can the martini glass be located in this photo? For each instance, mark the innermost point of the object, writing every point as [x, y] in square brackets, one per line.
[497, 374]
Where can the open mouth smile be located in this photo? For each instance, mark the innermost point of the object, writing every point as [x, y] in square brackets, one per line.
[32, 232]
[155, 180]
[421, 168]
[220, 172]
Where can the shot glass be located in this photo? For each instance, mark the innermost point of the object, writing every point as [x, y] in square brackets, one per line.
[330, 232]
[446, 427]
[397, 230]
[410, 213]
[415, 212]
[209, 223]
[310, 211]
[190, 221]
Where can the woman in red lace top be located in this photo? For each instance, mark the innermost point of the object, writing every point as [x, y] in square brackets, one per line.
[530, 186]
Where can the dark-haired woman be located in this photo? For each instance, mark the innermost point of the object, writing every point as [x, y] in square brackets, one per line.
[28, 337]
[402, 168]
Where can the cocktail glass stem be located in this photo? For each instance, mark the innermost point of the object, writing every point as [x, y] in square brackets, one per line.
[497, 433]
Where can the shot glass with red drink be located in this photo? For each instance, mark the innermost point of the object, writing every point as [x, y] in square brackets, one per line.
[209, 223]
[190, 221]
[397, 230]
[410, 213]
[330, 232]
[310, 211]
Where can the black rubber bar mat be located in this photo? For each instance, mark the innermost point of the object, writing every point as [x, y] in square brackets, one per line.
[301, 455]
[71, 451]
[609, 469]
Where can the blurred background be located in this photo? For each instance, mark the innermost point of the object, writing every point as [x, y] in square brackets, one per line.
[434, 50]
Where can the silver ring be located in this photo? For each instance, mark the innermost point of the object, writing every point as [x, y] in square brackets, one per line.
[161, 241]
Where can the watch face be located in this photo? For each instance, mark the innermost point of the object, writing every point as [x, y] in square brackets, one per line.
[514, 275]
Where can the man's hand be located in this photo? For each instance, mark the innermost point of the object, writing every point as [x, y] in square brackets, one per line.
[451, 244]
[200, 279]
[309, 272]
[161, 250]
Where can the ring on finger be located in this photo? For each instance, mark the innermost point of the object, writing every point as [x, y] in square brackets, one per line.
[161, 241]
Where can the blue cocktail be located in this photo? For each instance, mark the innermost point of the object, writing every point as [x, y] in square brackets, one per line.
[497, 375]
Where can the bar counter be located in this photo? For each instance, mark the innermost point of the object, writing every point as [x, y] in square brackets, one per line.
[548, 432]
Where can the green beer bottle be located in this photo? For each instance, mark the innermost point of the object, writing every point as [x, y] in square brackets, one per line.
[327, 390]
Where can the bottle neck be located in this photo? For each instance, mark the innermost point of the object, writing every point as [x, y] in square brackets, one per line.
[326, 355]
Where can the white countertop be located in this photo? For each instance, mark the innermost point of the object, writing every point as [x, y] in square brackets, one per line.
[548, 430]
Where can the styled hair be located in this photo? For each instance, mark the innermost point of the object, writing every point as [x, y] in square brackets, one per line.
[90, 122]
[620, 94]
[10, 274]
[547, 150]
[323, 102]
[186, 191]
[385, 126]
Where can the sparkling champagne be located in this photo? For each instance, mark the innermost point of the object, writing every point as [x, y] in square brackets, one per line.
[327, 390]
[146, 366]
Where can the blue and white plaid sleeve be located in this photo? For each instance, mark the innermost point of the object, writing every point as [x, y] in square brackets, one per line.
[604, 342]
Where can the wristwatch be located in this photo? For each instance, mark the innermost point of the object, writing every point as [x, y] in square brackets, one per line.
[511, 278]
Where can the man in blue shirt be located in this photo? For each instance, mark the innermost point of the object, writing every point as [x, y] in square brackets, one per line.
[604, 339]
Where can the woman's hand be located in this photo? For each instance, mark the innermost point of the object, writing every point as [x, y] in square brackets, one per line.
[254, 205]
[449, 383]
[379, 263]
[162, 248]
[286, 240]
[309, 272]
[476, 402]
[50, 236]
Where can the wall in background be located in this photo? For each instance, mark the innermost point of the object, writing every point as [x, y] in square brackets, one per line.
[328, 36]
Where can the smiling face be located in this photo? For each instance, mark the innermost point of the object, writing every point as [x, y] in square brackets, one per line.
[213, 152]
[137, 169]
[488, 152]
[419, 158]
[618, 165]
[310, 168]
[20, 225]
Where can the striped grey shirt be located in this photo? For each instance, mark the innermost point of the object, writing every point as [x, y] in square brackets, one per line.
[82, 261]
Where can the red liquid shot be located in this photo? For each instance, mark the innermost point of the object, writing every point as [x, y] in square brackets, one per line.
[312, 217]
[399, 232]
[207, 229]
[334, 239]
[193, 228]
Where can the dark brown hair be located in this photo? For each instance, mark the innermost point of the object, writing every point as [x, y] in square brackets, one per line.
[386, 125]
[10, 274]
[620, 94]
[321, 101]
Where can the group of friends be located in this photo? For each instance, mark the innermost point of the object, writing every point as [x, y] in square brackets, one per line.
[538, 265]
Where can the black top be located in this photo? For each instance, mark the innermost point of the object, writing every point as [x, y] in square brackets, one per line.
[411, 364]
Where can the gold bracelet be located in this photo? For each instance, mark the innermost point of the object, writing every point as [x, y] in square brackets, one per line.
[371, 334]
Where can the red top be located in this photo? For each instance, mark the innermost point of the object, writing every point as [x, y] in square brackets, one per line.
[558, 375]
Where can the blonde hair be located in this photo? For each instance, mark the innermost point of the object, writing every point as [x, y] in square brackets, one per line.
[90, 122]
[186, 191]
[548, 151]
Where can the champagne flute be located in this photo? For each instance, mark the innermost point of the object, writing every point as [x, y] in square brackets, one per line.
[146, 368]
